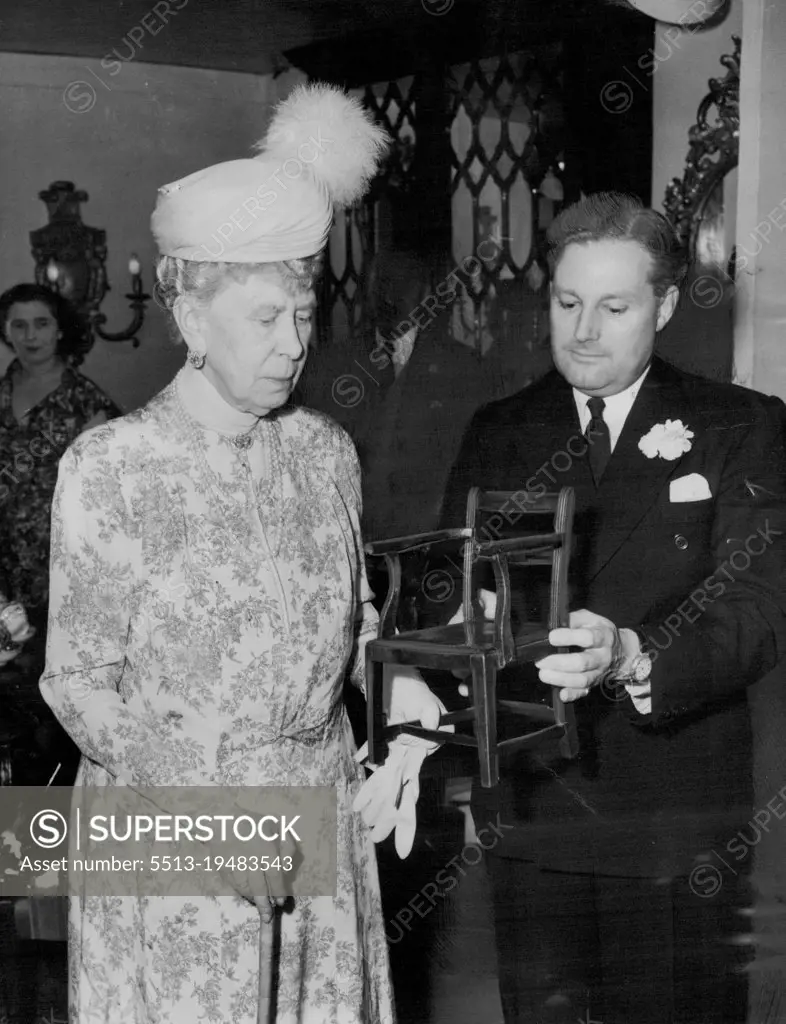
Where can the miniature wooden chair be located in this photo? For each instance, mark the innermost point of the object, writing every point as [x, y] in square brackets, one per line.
[478, 647]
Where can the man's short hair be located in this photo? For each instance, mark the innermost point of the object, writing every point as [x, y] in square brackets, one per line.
[397, 281]
[617, 216]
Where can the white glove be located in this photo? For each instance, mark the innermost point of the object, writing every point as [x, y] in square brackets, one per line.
[406, 698]
[388, 799]
[488, 602]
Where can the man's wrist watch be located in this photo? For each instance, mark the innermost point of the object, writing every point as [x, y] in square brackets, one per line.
[638, 669]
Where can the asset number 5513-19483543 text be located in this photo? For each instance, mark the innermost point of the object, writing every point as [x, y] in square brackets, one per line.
[209, 863]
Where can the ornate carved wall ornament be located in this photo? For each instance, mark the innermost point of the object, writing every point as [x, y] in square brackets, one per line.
[713, 152]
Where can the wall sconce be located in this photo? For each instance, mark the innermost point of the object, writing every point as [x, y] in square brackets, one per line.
[70, 258]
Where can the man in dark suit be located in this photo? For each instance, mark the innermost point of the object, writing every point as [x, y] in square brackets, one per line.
[426, 386]
[621, 879]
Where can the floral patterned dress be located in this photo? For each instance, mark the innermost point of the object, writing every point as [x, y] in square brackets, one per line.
[29, 455]
[207, 600]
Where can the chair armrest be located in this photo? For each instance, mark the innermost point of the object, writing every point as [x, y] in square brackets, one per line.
[398, 545]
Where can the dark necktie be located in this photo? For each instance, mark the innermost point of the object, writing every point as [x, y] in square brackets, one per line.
[599, 439]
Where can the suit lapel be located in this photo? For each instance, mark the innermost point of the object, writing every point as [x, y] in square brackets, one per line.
[542, 442]
[632, 482]
[553, 439]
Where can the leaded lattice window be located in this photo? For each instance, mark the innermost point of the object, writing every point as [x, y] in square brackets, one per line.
[361, 231]
[505, 118]
[506, 142]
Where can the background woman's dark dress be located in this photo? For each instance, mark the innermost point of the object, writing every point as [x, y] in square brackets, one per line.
[30, 452]
[29, 456]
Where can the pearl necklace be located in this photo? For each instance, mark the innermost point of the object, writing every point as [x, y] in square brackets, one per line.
[268, 492]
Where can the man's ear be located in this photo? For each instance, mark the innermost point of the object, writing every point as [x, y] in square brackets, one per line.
[667, 306]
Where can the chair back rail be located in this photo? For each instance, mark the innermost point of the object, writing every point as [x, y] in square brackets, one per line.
[489, 513]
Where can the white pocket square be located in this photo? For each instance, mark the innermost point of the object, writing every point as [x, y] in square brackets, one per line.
[693, 487]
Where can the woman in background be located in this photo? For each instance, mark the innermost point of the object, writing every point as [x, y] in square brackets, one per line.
[45, 402]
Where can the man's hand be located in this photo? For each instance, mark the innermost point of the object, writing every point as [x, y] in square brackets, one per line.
[577, 673]
[606, 650]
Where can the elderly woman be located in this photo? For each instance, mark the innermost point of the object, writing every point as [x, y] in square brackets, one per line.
[209, 597]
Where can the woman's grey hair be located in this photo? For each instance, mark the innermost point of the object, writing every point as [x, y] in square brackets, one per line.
[202, 281]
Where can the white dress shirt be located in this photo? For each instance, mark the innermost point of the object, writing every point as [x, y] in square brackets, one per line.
[615, 413]
[616, 410]
[402, 348]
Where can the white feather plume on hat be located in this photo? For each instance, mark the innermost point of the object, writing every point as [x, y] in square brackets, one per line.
[321, 150]
[343, 143]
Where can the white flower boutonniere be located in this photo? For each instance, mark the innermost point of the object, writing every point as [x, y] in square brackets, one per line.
[669, 440]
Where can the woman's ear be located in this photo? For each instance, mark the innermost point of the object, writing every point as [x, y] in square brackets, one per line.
[189, 322]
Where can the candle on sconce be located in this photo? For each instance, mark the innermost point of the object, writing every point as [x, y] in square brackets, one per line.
[70, 260]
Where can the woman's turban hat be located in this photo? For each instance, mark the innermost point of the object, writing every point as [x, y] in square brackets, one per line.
[321, 150]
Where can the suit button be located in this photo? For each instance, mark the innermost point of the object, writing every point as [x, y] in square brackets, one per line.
[680, 541]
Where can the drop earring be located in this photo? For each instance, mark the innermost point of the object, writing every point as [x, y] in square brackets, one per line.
[196, 359]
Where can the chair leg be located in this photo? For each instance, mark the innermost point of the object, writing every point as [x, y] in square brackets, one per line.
[484, 697]
[375, 711]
